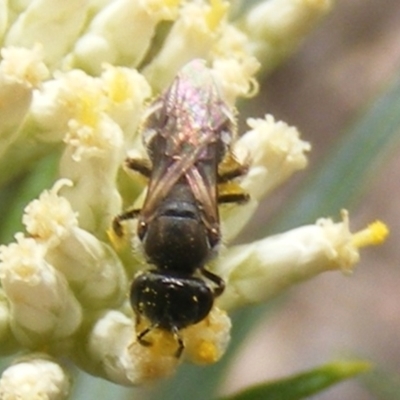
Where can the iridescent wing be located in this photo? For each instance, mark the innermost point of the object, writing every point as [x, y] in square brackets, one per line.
[195, 127]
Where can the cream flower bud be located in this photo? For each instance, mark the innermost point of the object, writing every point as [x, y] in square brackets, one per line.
[53, 23]
[276, 27]
[233, 65]
[94, 271]
[21, 71]
[95, 147]
[70, 95]
[236, 77]
[274, 152]
[113, 34]
[34, 378]
[257, 271]
[91, 160]
[114, 352]
[23, 66]
[206, 342]
[91, 266]
[6, 339]
[127, 91]
[42, 305]
[192, 36]
[3, 18]
[50, 217]
[112, 346]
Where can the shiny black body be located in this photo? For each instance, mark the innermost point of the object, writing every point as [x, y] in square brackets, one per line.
[187, 134]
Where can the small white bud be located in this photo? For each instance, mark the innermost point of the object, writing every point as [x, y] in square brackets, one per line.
[112, 36]
[112, 346]
[41, 303]
[91, 266]
[34, 379]
[53, 23]
[257, 271]
[21, 71]
[276, 27]
[192, 36]
[274, 151]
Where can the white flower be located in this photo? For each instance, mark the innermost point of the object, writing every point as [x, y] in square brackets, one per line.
[42, 306]
[111, 35]
[257, 271]
[276, 27]
[274, 151]
[34, 378]
[21, 71]
[75, 78]
[86, 262]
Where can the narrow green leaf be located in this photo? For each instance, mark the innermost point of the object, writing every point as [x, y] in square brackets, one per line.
[305, 384]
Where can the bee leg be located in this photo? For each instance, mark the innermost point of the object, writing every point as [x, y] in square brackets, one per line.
[238, 197]
[140, 336]
[116, 223]
[215, 279]
[140, 165]
[228, 190]
[179, 340]
[174, 331]
[236, 172]
[230, 169]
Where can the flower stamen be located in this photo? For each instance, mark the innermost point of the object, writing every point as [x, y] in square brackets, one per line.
[216, 14]
[374, 234]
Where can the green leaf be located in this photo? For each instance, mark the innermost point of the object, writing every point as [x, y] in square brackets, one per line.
[305, 384]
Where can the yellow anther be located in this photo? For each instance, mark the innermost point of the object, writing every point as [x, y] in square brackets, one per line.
[217, 12]
[171, 3]
[118, 89]
[373, 234]
[163, 8]
[118, 242]
[87, 110]
[206, 353]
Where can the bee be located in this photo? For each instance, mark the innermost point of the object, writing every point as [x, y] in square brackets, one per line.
[188, 132]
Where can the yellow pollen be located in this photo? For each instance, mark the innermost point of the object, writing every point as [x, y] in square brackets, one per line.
[207, 352]
[118, 89]
[373, 234]
[118, 242]
[170, 3]
[214, 16]
[87, 110]
[154, 7]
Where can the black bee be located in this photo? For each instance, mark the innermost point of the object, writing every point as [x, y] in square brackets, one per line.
[187, 132]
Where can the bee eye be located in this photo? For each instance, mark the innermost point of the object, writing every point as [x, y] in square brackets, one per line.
[141, 230]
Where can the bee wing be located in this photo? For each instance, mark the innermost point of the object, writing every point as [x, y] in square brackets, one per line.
[169, 172]
[205, 193]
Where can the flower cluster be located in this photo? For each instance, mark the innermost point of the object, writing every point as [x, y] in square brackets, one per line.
[75, 78]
